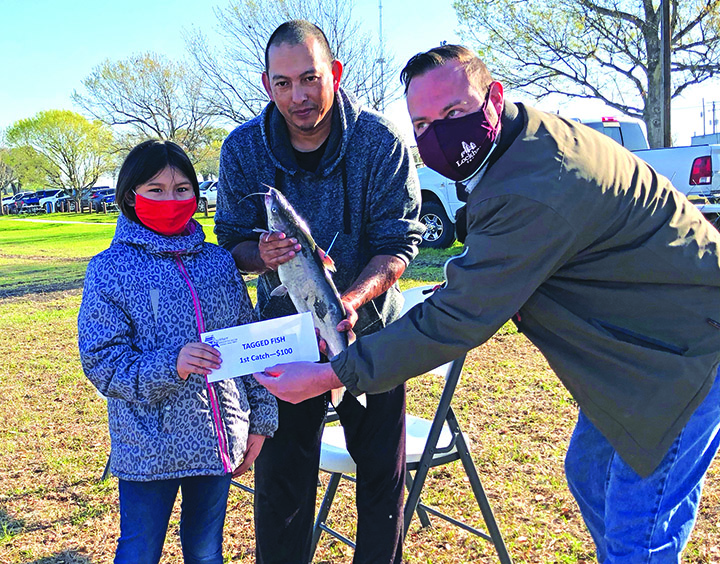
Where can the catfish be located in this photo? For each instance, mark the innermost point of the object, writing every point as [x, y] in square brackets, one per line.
[307, 279]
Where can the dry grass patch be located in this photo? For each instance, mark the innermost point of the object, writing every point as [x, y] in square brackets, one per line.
[54, 440]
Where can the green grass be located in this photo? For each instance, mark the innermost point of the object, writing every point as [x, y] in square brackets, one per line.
[54, 437]
[48, 253]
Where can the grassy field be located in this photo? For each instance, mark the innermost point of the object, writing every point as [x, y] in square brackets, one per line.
[54, 439]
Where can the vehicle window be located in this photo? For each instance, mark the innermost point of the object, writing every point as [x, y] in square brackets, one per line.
[613, 133]
[633, 137]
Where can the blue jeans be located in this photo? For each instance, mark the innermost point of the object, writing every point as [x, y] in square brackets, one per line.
[636, 520]
[145, 509]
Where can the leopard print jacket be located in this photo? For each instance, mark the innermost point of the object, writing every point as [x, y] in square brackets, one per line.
[144, 298]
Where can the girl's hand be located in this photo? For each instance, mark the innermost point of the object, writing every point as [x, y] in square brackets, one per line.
[254, 445]
[198, 358]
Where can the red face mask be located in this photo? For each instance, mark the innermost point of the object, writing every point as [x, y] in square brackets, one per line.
[167, 217]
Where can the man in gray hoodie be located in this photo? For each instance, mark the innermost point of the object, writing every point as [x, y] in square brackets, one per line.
[348, 174]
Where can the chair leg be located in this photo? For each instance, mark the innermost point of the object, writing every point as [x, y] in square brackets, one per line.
[480, 496]
[324, 510]
[421, 513]
[413, 498]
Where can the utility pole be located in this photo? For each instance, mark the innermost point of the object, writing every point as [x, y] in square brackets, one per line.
[666, 33]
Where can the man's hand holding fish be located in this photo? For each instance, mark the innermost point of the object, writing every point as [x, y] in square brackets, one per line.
[275, 248]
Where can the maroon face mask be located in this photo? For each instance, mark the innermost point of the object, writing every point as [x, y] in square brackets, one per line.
[458, 147]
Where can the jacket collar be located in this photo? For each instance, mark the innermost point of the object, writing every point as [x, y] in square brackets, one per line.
[345, 113]
[128, 232]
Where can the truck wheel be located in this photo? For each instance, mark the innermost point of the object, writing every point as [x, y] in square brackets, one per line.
[202, 206]
[48, 207]
[439, 230]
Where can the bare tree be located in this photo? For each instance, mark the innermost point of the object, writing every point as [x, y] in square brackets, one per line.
[603, 49]
[232, 73]
[148, 95]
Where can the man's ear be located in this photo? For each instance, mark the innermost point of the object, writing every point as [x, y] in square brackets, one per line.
[496, 97]
[266, 85]
[337, 70]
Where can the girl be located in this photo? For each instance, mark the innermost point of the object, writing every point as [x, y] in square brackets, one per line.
[146, 300]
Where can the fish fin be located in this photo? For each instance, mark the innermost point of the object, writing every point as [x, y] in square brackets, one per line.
[279, 291]
[327, 261]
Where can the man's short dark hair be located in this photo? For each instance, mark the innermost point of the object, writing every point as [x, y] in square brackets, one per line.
[296, 32]
[423, 62]
[143, 163]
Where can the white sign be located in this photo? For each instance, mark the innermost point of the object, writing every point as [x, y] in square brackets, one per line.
[253, 347]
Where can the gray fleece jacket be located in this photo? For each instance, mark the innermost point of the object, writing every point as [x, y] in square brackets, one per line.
[365, 190]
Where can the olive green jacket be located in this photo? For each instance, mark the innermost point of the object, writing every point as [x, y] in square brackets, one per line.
[614, 275]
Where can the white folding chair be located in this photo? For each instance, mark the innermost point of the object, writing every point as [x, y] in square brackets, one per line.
[428, 444]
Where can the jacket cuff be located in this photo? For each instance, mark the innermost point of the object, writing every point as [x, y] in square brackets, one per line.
[348, 377]
[264, 428]
[405, 253]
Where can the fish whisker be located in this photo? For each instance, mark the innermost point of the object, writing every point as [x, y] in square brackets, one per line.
[253, 194]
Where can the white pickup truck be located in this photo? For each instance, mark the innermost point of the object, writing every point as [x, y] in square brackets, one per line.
[694, 170]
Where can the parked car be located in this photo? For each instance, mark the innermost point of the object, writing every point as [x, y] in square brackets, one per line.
[65, 203]
[208, 195]
[27, 204]
[10, 200]
[90, 199]
[628, 132]
[106, 202]
[47, 199]
[97, 197]
[694, 170]
[40, 201]
[439, 206]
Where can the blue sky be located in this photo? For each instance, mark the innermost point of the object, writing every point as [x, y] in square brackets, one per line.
[47, 47]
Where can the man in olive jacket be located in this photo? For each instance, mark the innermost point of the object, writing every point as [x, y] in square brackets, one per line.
[607, 268]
